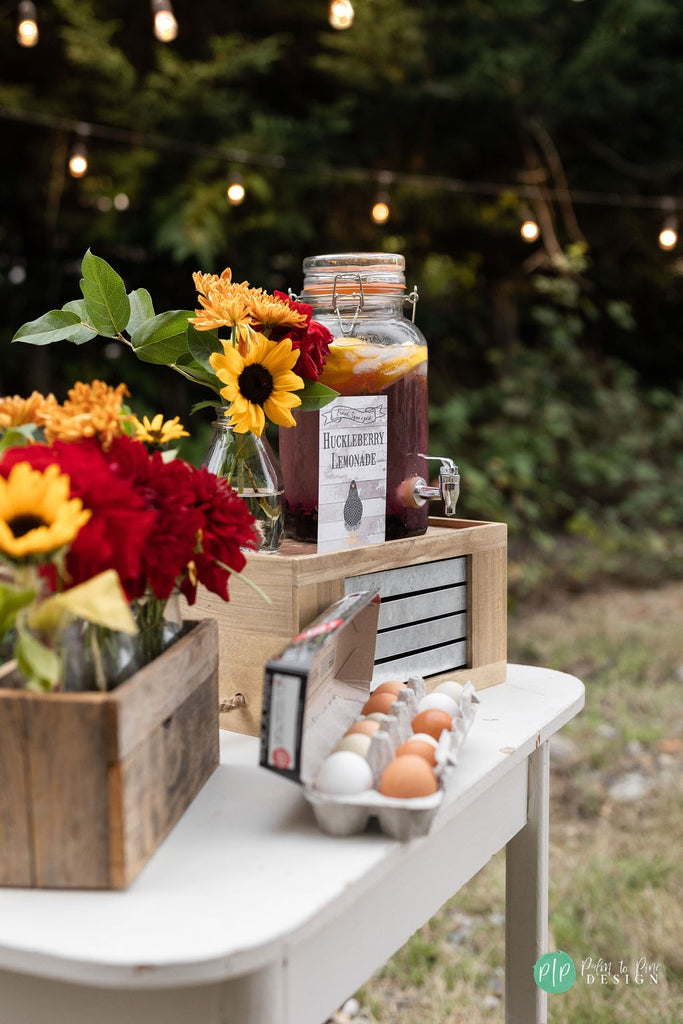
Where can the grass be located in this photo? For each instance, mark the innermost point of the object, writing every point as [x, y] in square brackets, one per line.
[616, 890]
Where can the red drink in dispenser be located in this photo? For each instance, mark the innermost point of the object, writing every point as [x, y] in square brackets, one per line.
[360, 297]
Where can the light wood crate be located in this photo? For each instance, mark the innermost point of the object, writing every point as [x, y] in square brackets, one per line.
[444, 595]
[91, 783]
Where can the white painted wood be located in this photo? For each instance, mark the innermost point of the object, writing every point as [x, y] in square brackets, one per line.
[526, 900]
[332, 958]
[246, 896]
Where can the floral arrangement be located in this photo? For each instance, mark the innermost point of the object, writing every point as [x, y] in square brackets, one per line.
[269, 364]
[100, 524]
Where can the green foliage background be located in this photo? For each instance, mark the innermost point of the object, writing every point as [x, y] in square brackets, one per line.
[555, 369]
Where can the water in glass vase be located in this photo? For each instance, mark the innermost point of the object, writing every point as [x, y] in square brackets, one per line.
[249, 464]
[267, 509]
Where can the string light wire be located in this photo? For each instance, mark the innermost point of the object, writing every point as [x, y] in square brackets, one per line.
[154, 141]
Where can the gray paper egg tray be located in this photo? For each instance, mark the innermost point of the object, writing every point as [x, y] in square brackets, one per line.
[400, 819]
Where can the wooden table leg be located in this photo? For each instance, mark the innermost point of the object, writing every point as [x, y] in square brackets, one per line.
[526, 900]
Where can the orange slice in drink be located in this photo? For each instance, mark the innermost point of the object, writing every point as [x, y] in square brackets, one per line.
[355, 367]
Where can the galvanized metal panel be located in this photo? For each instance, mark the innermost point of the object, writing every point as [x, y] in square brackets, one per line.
[421, 635]
[410, 579]
[426, 663]
[397, 611]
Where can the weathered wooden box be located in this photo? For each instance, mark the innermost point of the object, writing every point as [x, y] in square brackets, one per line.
[443, 609]
[90, 783]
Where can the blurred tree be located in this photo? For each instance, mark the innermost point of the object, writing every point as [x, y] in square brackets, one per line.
[457, 102]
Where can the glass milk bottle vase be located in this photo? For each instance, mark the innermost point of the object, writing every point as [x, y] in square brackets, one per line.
[360, 298]
[248, 462]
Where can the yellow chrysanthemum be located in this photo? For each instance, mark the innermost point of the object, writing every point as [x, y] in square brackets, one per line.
[91, 410]
[37, 516]
[237, 306]
[203, 282]
[224, 303]
[270, 311]
[259, 384]
[158, 431]
[16, 411]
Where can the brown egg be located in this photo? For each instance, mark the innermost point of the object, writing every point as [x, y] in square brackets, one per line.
[366, 727]
[379, 702]
[419, 747]
[408, 776]
[391, 686]
[433, 722]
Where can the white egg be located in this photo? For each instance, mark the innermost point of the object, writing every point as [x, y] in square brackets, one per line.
[426, 738]
[356, 741]
[438, 702]
[450, 687]
[344, 773]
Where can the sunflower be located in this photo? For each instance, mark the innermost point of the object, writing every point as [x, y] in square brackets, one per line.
[157, 431]
[258, 384]
[37, 517]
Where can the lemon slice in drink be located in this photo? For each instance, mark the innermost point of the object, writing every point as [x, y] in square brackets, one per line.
[356, 367]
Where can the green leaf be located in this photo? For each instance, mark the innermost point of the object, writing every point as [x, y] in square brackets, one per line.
[100, 600]
[203, 405]
[83, 332]
[314, 396]
[141, 309]
[202, 344]
[106, 303]
[18, 437]
[57, 325]
[12, 600]
[163, 339]
[191, 369]
[39, 664]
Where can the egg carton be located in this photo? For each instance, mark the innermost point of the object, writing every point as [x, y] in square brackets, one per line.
[400, 819]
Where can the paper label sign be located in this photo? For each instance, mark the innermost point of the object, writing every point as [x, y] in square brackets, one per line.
[352, 472]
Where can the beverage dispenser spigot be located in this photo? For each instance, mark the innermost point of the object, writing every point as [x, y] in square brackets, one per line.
[448, 488]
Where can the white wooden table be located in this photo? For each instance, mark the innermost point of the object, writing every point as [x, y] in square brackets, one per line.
[247, 914]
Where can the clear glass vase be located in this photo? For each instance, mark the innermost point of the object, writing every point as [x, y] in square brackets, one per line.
[250, 465]
[97, 658]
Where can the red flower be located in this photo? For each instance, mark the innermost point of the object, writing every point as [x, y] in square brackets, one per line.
[167, 491]
[116, 534]
[159, 524]
[313, 340]
[227, 528]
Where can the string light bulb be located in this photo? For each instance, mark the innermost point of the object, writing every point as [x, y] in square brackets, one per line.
[529, 230]
[78, 161]
[27, 24]
[668, 236]
[165, 24]
[380, 211]
[341, 14]
[236, 190]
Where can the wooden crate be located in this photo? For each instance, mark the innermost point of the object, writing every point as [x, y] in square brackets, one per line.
[445, 595]
[90, 783]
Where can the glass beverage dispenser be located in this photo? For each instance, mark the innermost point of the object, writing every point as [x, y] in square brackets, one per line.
[360, 298]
